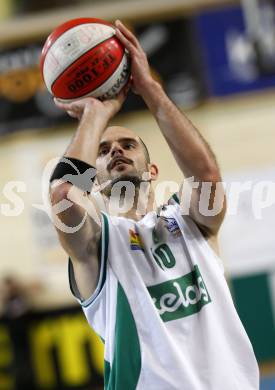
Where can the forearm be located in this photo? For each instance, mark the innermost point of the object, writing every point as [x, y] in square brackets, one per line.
[190, 150]
[85, 143]
[84, 146]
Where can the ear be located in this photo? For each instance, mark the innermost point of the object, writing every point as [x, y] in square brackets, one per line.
[96, 185]
[153, 171]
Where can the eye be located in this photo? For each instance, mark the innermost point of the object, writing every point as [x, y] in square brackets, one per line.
[129, 145]
[103, 151]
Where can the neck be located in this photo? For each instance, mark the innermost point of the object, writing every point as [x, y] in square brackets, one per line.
[135, 206]
[143, 204]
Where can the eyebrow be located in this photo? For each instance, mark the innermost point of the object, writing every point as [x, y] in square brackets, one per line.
[124, 139]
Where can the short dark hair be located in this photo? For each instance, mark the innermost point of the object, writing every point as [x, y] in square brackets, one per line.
[146, 151]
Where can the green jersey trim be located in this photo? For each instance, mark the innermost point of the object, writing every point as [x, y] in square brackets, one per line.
[176, 198]
[107, 372]
[126, 367]
[103, 256]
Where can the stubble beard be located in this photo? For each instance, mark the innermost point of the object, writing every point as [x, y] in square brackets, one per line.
[131, 179]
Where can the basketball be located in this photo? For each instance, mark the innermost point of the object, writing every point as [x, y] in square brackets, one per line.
[83, 57]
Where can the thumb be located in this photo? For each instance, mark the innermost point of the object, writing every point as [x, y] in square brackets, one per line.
[121, 97]
[132, 85]
[124, 92]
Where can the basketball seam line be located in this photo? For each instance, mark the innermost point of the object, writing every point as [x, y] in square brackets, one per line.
[52, 43]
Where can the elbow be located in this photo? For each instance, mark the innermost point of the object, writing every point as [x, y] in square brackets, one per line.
[59, 193]
[211, 174]
[214, 177]
[207, 170]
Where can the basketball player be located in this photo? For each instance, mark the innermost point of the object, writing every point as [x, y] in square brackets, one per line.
[149, 281]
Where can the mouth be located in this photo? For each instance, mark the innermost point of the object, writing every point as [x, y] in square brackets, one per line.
[119, 161]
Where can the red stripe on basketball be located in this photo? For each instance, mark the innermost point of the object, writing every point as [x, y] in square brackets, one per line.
[89, 71]
[60, 30]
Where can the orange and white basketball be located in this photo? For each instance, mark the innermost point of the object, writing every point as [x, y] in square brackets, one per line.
[83, 57]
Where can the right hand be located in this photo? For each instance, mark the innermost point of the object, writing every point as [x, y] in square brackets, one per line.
[83, 106]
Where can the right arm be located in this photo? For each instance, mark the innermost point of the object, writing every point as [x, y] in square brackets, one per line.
[82, 245]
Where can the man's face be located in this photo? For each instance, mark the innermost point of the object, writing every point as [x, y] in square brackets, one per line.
[120, 155]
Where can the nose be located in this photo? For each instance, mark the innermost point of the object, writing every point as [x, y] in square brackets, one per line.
[116, 149]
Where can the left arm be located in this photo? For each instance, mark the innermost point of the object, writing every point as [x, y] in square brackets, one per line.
[192, 153]
[193, 156]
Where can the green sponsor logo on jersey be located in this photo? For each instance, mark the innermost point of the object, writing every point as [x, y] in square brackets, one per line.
[180, 297]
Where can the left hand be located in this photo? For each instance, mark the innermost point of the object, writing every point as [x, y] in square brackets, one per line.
[89, 105]
[140, 69]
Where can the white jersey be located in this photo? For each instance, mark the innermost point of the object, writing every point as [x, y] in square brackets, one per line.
[164, 310]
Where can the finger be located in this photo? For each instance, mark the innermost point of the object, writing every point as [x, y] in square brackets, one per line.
[129, 46]
[131, 85]
[72, 114]
[128, 34]
[124, 92]
[128, 86]
[119, 99]
[63, 106]
[58, 103]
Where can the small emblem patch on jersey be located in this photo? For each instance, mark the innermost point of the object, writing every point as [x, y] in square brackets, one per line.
[172, 226]
[135, 241]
